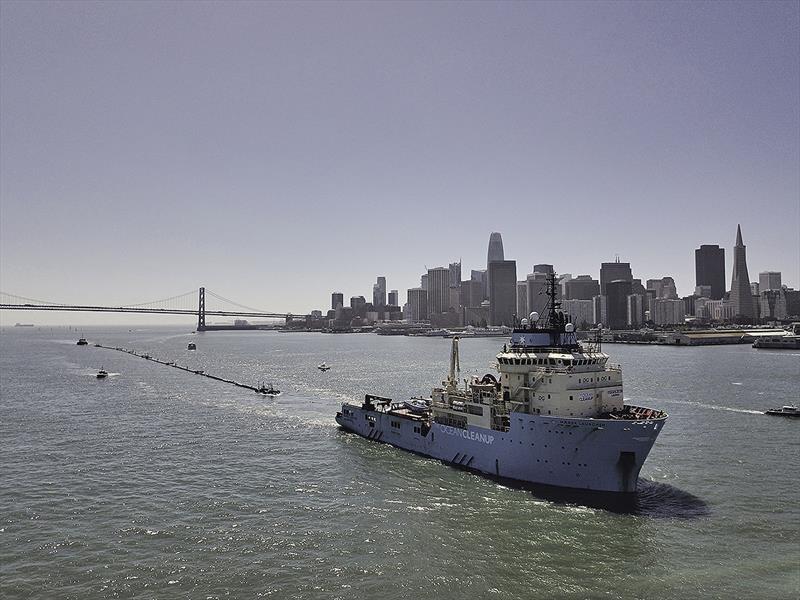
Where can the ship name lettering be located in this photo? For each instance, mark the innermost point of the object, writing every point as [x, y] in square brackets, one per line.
[468, 435]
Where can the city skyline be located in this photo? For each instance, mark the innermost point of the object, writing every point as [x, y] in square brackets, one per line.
[141, 158]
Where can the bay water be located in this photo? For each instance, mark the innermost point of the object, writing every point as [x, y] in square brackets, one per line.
[158, 483]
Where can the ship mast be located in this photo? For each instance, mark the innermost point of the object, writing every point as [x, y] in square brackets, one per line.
[455, 366]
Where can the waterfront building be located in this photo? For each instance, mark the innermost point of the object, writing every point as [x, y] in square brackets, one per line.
[477, 316]
[667, 311]
[741, 297]
[720, 310]
[635, 305]
[581, 312]
[617, 303]
[583, 287]
[356, 302]
[379, 293]
[438, 290]
[337, 300]
[700, 308]
[522, 299]
[769, 280]
[417, 304]
[709, 268]
[614, 271]
[502, 292]
[393, 298]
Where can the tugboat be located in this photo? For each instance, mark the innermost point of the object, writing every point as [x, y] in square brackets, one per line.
[82, 342]
[323, 367]
[102, 374]
[784, 411]
[555, 416]
[191, 346]
[269, 390]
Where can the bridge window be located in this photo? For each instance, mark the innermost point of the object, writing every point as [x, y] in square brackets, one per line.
[395, 424]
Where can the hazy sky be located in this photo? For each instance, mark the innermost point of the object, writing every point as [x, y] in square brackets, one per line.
[276, 152]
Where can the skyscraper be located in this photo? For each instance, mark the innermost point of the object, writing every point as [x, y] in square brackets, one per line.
[455, 274]
[502, 291]
[337, 299]
[583, 287]
[418, 304]
[393, 298]
[769, 280]
[617, 303]
[379, 293]
[495, 248]
[709, 269]
[614, 271]
[522, 299]
[538, 299]
[438, 290]
[741, 297]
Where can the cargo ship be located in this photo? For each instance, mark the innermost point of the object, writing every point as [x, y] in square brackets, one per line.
[554, 415]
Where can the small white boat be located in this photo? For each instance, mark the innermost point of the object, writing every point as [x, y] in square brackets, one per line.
[784, 411]
[192, 346]
[323, 367]
[82, 342]
[416, 405]
[102, 374]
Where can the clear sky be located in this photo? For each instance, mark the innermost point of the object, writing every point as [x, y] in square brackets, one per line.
[276, 152]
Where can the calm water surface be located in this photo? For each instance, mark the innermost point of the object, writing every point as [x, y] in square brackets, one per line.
[157, 483]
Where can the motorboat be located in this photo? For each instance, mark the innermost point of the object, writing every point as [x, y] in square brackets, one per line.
[784, 411]
[82, 342]
[323, 367]
[268, 390]
[416, 405]
[191, 346]
[102, 374]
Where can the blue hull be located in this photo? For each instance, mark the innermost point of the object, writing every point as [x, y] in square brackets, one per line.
[586, 454]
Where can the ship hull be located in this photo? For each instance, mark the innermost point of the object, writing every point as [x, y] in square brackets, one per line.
[578, 453]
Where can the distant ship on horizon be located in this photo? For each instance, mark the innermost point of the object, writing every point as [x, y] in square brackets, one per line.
[23, 325]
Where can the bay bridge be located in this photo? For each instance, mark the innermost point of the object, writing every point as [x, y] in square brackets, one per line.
[190, 303]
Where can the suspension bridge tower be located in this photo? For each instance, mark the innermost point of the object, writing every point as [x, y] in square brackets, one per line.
[201, 311]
